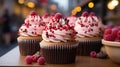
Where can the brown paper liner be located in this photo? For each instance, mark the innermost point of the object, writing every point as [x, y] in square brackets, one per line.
[86, 46]
[62, 54]
[28, 46]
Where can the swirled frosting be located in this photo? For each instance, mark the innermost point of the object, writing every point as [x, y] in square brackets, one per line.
[88, 25]
[46, 18]
[58, 30]
[33, 25]
[72, 20]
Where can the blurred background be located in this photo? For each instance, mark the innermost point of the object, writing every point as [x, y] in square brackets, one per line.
[13, 13]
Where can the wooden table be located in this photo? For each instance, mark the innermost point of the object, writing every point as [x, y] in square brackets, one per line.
[13, 58]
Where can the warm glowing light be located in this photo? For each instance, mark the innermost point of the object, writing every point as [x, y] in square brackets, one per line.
[53, 7]
[74, 12]
[90, 4]
[21, 1]
[114, 2]
[78, 9]
[31, 4]
[110, 6]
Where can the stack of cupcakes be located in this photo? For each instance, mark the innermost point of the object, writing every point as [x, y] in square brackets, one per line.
[89, 29]
[30, 34]
[58, 44]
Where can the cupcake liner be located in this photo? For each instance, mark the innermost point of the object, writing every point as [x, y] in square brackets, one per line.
[86, 46]
[28, 47]
[62, 54]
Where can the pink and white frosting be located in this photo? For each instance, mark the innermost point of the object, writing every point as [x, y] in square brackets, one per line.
[33, 25]
[58, 30]
[72, 20]
[46, 18]
[88, 25]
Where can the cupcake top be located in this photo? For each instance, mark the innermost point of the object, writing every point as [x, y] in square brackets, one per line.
[72, 20]
[88, 25]
[58, 30]
[33, 25]
[46, 18]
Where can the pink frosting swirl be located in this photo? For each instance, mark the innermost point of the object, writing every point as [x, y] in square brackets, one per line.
[33, 25]
[58, 30]
[72, 20]
[88, 25]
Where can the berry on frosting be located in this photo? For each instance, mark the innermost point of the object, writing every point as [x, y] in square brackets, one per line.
[92, 14]
[45, 15]
[58, 16]
[41, 60]
[32, 13]
[28, 59]
[85, 13]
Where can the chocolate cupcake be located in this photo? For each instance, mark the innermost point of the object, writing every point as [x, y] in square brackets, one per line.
[30, 34]
[58, 45]
[89, 30]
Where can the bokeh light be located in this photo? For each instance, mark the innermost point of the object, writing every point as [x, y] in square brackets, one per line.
[90, 4]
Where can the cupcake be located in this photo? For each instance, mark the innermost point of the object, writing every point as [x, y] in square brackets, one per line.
[30, 34]
[89, 29]
[58, 44]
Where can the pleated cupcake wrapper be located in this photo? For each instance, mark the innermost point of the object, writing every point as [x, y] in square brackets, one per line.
[86, 46]
[63, 54]
[28, 47]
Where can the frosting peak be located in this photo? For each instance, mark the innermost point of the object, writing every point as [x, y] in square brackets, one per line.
[58, 30]
[33, 25]
[88, 25]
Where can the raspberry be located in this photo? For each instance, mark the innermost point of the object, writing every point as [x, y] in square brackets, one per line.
[41, 60]
[45, 15]
[107, 31]
[117, 40]
[34, 58]
[92, 14]
[28, 59]
[85, 13]
[109, 37]
[58, 16]
[114, 32]
[118, 34]
[32, 13]
[93, 54]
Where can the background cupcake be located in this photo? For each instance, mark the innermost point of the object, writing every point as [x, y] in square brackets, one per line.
[89, 29]
[58, 45]
[30, 34]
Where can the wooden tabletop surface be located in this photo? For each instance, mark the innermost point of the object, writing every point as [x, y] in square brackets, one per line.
[13, 58]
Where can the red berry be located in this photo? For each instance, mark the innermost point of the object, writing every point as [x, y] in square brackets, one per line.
[28, 59]
[118, 34]
[34, 58]
[93, 54]
[107, 31]
[109, 37]
[58, 16]
[41, 60]
[32, 13]
[114, 32]
[92, 14]
[51, 15]
[45, 15]
[85, 13]
[117, 40]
